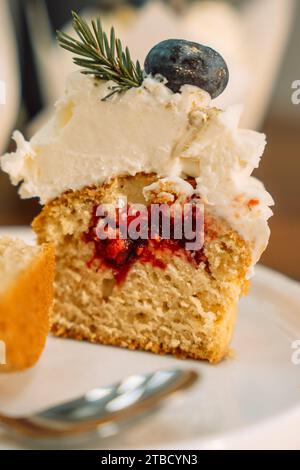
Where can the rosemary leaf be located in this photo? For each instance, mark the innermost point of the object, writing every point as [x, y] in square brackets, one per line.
[102, 57]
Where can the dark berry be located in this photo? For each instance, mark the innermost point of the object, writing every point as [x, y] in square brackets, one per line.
[188, 63]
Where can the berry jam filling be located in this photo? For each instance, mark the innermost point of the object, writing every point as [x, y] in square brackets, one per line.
[119, 253]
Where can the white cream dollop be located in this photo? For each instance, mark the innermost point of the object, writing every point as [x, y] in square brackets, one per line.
[147, 129]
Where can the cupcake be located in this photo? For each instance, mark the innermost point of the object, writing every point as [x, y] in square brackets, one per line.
[126, 151]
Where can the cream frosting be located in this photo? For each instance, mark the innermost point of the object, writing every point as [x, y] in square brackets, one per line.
[147, 129]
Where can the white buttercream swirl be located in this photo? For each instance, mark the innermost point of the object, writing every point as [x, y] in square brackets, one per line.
[147, 129]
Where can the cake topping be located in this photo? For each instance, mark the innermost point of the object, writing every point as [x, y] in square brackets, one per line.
[145, 128]
[180, 62]
[102, 57]
[183, 62]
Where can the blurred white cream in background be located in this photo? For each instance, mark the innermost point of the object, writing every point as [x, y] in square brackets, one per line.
[2, 92]
[9, 76]
[252, 39]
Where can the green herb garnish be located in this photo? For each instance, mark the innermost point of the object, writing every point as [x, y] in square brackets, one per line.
[102, 57]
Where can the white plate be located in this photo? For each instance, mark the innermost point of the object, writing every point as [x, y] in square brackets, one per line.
[249, 401]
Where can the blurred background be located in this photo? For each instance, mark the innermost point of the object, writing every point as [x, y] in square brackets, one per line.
[259, 39]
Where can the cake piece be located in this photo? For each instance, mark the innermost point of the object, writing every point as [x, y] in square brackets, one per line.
[26, 296]
[150, 296]
[154, 142]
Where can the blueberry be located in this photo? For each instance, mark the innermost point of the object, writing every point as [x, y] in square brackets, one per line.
[183, 62]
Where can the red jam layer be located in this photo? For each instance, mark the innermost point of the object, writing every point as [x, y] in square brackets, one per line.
[120, 254]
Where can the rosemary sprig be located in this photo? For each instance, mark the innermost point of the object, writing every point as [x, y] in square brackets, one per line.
[102, 57]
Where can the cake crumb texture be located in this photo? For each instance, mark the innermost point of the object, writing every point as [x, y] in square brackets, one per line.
[26, 296]
[185, 310]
